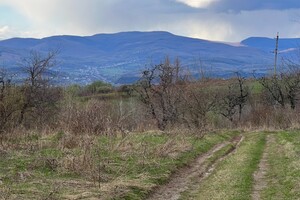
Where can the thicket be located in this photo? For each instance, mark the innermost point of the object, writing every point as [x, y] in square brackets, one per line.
[165, 97]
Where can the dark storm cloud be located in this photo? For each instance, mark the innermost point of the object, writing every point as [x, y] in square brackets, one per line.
[248, 5]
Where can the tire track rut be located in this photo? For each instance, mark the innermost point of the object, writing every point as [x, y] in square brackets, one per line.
[259, 176]
[185, 177]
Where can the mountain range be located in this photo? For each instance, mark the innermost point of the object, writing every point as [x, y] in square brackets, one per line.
[120, 58]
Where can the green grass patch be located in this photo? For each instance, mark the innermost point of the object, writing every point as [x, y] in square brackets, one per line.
[232, 178]
[283, 175]
[255, 86]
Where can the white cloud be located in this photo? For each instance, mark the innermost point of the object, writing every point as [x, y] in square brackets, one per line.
[213, 28]
[5, 32]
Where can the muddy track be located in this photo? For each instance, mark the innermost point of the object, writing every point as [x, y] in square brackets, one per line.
[259, 175]
[195, 172]
[236, 141]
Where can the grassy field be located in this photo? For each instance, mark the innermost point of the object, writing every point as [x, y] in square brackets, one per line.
[63, 166]
[283, 176]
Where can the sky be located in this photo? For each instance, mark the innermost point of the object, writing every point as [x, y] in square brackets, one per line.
[218, 20]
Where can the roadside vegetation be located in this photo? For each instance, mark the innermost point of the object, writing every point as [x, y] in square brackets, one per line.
[124, 142]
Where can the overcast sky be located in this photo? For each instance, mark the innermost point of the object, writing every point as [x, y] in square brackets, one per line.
[222, 20]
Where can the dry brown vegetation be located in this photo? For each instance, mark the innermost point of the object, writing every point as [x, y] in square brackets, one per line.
[89, 132]
[165, 97]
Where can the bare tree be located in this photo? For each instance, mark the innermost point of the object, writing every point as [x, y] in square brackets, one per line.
[228, 102]
[4, 113]
[243, 94]
[158, 89]
[284, 88]
[234, 98]
[274, 87]
[37, 88]
[291, 82]
[199, 100]
[10, 100]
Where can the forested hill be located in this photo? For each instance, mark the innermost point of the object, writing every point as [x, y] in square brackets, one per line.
[121, 57]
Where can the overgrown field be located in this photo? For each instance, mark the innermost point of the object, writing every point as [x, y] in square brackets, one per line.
[262, 165]
[65, 166]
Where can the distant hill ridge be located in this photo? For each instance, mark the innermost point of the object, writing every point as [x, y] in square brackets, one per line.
[120, 57]
[268, 44]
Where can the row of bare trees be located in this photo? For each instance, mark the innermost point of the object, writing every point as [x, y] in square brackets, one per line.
[167, 96]
[172, 97]
[283, 88]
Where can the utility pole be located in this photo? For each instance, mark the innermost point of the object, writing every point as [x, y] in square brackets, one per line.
[276, 53]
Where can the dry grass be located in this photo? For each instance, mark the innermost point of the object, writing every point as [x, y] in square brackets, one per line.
[68, 166]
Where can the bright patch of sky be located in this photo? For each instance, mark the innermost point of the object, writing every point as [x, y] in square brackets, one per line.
[197, 3]
[12, 23]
